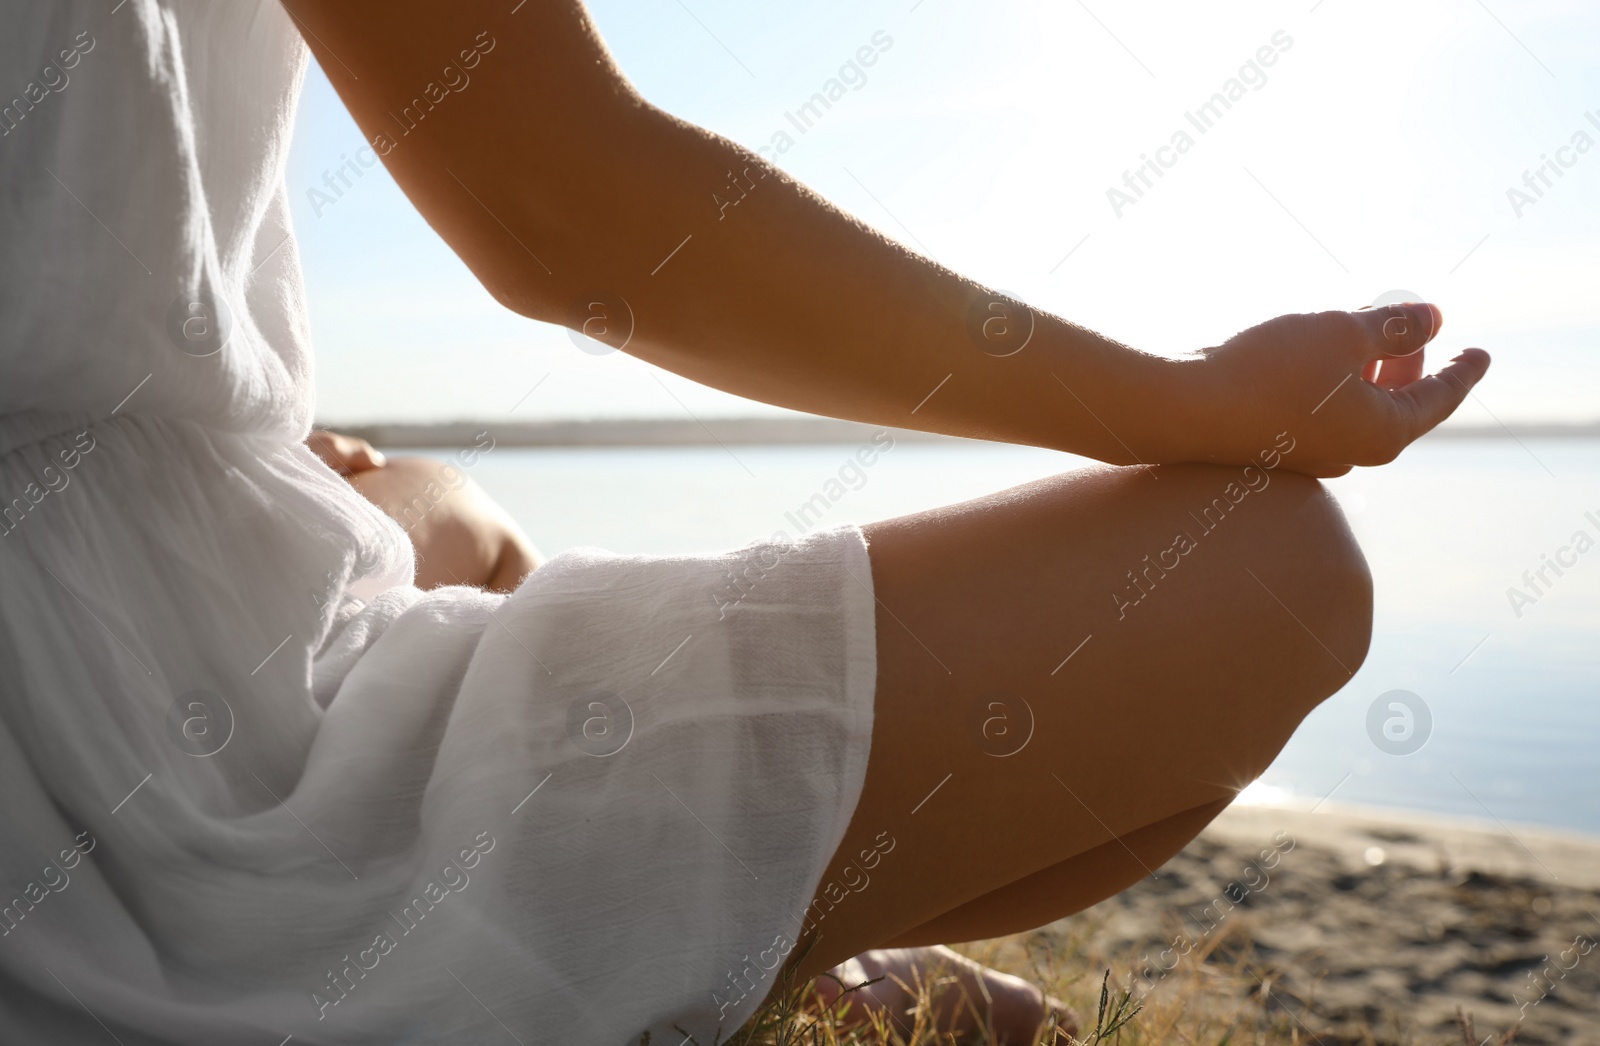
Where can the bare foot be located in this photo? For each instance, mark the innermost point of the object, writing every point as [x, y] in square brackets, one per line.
[971, 999]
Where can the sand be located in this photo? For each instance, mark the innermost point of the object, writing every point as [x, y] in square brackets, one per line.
[1360, 925]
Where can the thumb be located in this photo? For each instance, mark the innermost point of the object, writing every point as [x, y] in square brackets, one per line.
[1430, 400]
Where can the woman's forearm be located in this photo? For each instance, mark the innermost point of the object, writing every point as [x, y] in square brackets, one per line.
[559, 189]
[784, 298]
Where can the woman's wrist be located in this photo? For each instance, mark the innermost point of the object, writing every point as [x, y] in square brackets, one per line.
[1121, 405]
[1181, 418]
[1196, 413]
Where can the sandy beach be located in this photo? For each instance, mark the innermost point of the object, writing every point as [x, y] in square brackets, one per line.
[1344, 925]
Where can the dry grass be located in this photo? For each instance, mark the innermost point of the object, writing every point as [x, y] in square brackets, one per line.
[1218, 995]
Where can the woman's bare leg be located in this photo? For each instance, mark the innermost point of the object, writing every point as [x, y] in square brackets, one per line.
[1012, 1009]
[1067, 887]
[1148, 710]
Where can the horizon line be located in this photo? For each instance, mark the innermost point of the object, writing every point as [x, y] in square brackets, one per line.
[752, 430]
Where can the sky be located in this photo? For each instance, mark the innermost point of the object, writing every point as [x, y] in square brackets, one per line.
[1382, 150]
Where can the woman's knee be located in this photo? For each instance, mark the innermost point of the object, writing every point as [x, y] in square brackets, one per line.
[1275, 560]
[1253, 535]
[1267, 612]
[1301, 555]
[1327, 565]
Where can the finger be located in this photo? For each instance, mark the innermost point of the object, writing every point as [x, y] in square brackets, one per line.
[1395, 372]
[1400, 330]
[362, 455]
[344, 454]
[324, 444]
[1430, 400]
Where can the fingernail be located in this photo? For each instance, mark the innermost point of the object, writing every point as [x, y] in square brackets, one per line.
[378, 459]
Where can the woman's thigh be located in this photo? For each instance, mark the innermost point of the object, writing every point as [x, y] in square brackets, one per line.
[1066, 662]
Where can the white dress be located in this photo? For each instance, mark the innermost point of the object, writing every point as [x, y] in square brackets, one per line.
[253, 784]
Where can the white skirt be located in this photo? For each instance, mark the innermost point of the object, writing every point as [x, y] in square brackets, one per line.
[253, 784]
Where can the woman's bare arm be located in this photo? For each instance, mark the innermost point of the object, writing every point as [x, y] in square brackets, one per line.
[511, 130]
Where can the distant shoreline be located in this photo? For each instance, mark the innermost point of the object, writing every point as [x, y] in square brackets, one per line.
[672, 432]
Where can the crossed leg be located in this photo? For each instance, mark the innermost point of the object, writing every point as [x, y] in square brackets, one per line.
[1074, 677]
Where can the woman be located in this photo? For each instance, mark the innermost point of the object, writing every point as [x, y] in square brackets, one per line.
[259, 787]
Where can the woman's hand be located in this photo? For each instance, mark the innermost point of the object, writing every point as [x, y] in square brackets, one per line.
[346, 455]
[461, 535]
[1347, 387]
